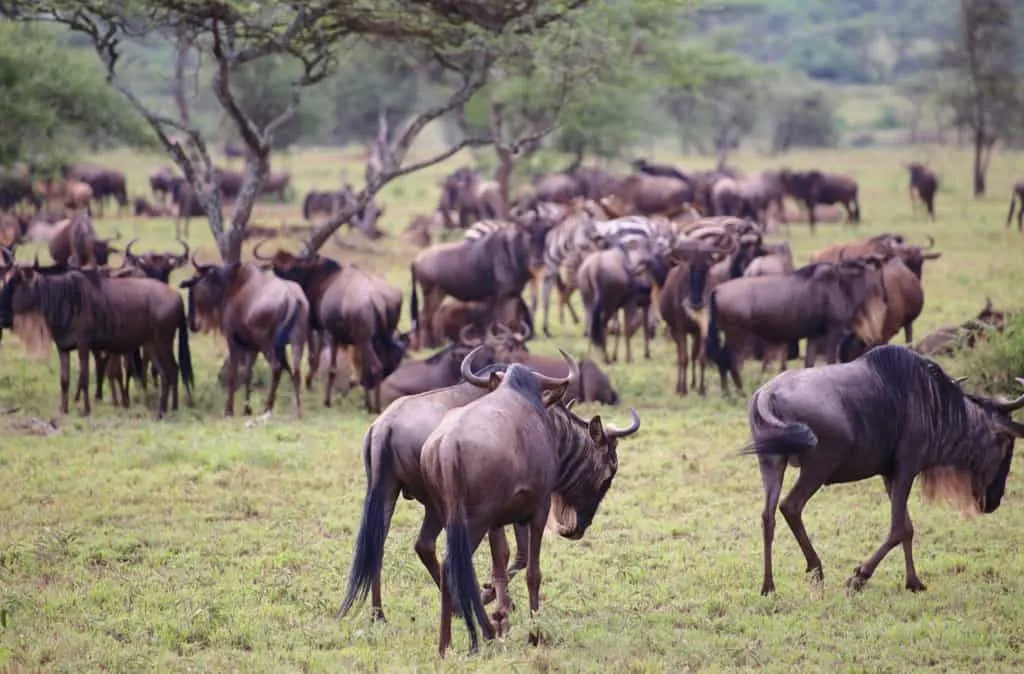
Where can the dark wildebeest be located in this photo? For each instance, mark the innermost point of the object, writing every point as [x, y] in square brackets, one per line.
[455, 315]
[187, 206]
[467, 193]
[645, 194]
[891, 413]
[348, 307]
[817, 187]
[88, 311]
[319, 202]
[489, 269]
[824, 300]
[593, 384]
[230, 183]
[948, 339]
[105, 183]
[162, 182]
[74, 242]
[391, 456]
[1017, 195]
[256, 313]
[923, 186]
[608, 283]
[145, 209]
[512, 457]
[16, 188]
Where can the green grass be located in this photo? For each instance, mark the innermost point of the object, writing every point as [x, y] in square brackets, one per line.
[200, 543]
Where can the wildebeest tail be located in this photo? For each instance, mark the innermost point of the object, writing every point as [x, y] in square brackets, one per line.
[716, 351]
[306, 206]
[595, 327]
[1013, 204]
[458, 564]
[369, 554]
[184, 355]
[773, 435]
[414, 303]
[283, 334]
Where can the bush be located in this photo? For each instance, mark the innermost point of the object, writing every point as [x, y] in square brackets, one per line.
[804, 120]
[994, 363]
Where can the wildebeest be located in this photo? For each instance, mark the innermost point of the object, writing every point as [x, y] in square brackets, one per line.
[923, 185]
[903, 304]
[1017, 195]
[277, 183]
[467, 193]
[817, 187]
[391, 456]
[74, 242]
[105, 183]
[145, 209]
[16, 188]
[455, 315]
[507, 458]
[12, 229]
[592, 385]
[256, 313]
[891, 413]
[489, 269]
[949, 338]
[608, 283]
[777, 261]
[644, 194]
[71, 194]
[823, 300]
[319, 202]
[87, 311]
[162, 182]
[186, 206]
[349, 307]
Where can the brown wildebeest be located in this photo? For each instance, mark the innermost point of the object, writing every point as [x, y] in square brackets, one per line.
[349, 307]
[923, 185]
[608, 283]
[71, 194]
[507, 458]
[230, 183]
[1017, 195]
[891, 413]
[467, 193]
[646, 194]
[946, 340]
[88, 311]
[489, 269]
[256, 313]
[455, 315]
[105, 183]
[817, 187]
[162, 182]
[913, 255]
[74, 242]
[777, 261]
[820, 300]
[16, 188]
[145, 209]
[391, 455]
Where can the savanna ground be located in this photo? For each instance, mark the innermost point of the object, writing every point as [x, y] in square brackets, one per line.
[202, 543]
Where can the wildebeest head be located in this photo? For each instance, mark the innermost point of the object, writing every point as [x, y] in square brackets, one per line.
[913, 256]
[207, 293]
[157, 266]
[523, 379]
[298, 268]
[701, 250]
[862, 286]
[1005, 431]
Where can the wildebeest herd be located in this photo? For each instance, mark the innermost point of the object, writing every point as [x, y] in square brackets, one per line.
[482, 432]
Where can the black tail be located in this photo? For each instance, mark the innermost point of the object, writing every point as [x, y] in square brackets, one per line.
[184, 355]
[373, 530]
[137, 370]
[459, 572]
[595, 328]
[716, 351]
[283, 334]
[414, 303]
[772, 435]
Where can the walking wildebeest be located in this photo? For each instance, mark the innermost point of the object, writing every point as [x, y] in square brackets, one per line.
[349, 307]
[891, 413]
[923, 185]
[256, 313]
[824, 300]
[512, 457]
[87, 311]
[817, 187]
[489, 269]
[1017, 195]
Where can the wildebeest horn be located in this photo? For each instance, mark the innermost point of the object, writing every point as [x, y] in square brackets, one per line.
[931, 241]
[1012, 405]
[960, 380]
[128, 249]
[525, 334]
[185, 252]
[466, 339]
[256, 252]
[467, 372]
[574, 373]
[199, 267]
[634, 426]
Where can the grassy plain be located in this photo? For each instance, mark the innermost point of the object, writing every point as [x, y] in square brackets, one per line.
[201, 543]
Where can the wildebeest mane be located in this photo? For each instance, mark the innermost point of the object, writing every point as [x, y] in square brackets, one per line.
[62, 298]
[521, 380]
[807, 271]
[578, 475]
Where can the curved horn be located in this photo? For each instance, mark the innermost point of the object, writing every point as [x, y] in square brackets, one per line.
[1012, 405]
[525, 334]
[467, 373]
[550, 382]
[634, 426]
[128, 249]
[464, 337]
[931, 241]
[198, 266]
[184, 253]
[960, 380]
[256, 252]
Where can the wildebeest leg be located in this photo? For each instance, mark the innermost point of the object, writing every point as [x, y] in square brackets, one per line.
[565, 302]
[546, 301]
[914, 583]
[163, 356]
[499, 577]
[624, 334]
[296, 374]
[682, 363]
[900, 531]
[276, 368]
[646, 313]
[248, 363]
[807, 485]
[522, 533]
[332, 368]
[773, 469]
[101, 358]
[83, 379]
[908, 332]
[699, 357]
[533, 575]
[233, 357]
[315, 346]
[65, 380]
[426, 543]
[810, 215]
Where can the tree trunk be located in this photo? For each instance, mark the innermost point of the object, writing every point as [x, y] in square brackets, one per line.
[979, 164]
[506, 162]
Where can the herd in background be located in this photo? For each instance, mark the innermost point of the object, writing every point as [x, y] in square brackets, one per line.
[482, 432]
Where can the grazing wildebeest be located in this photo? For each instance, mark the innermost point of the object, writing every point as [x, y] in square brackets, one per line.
[823, 300]
[489, 269]
[949, 338]
[1017, 195]
[145, 209]
[454, 315]
[277, 184]
[74, 242]
[593, 384]
[256, 313]
[105, 183]
[349, 307]
[87, 311]
[391, 456]
[817, 187]
[923, 185]
[891, 413]
[512, 457]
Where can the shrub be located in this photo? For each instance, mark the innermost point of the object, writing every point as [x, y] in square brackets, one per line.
[995, 362]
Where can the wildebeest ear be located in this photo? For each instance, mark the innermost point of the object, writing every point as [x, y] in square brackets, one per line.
[596, 429]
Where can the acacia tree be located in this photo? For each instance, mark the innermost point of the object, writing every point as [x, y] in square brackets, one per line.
[464, 38]
[986, 91]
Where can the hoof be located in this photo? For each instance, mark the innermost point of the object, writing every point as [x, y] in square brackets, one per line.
[916, 585]
[816, 575]
[378, 616]
[767, 590]
[488, 594]
[855, 583]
